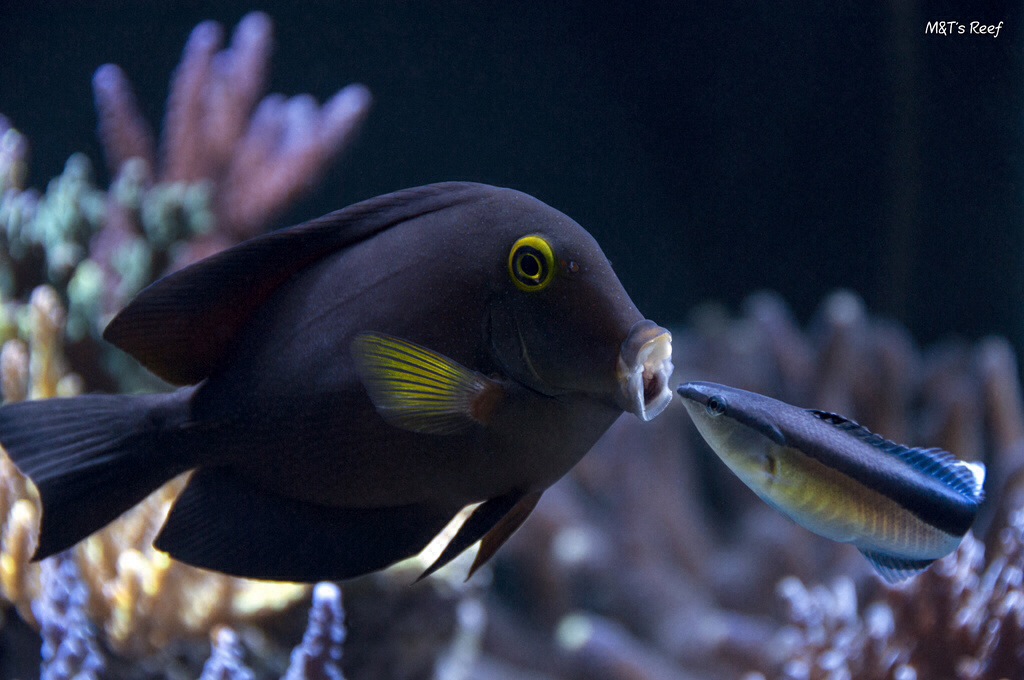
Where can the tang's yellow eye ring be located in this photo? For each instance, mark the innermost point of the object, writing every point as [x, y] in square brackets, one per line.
[531, 263]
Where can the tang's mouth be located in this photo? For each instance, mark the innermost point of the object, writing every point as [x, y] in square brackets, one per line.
[644, 369]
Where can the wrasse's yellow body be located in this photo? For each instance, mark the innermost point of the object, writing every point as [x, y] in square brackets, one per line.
[902, 507]
[836, 506]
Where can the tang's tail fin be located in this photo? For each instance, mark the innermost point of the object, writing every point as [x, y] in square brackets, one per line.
[93, 457]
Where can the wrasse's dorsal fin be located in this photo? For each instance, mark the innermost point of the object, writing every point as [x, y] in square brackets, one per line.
[965, 478]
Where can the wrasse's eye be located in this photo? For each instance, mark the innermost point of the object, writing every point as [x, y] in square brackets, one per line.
[531, 263]
[715, 406]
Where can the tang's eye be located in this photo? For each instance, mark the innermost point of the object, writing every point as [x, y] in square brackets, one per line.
[531, 263]
[715, 406]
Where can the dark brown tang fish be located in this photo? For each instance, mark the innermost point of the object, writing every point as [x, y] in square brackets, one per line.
[351, 383]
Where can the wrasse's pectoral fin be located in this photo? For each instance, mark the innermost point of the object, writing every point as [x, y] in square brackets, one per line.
[417, 389]
[895, 569]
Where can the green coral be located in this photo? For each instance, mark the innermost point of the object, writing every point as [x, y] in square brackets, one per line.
[168, 212]
[58, 224]
[68, 214]
[59, 227]
[12, 158]
[176, 211]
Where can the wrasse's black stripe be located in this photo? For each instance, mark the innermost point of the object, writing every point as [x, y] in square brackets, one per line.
[762, 425]
[933, 462]
[927, 498]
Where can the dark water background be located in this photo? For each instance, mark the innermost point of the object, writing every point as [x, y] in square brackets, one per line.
[714, 149]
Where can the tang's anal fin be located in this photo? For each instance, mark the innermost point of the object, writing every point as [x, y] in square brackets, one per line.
[895, 569]
[417, 389]
[223, 522]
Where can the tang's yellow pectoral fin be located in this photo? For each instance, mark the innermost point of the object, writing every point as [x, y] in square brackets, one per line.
[420, 390]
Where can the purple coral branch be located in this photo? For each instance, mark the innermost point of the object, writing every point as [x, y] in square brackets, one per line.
[260, 156]
[122, 128]
[286, 150]
[183, 145]
[318, 657]
[236, 80]
[226, 662]
[69, 648]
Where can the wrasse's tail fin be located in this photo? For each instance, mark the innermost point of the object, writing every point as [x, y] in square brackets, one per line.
[92, 458]
[976, 490]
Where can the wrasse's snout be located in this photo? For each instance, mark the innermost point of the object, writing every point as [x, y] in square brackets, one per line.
[644, 369]
[709, 398]
[693, 391]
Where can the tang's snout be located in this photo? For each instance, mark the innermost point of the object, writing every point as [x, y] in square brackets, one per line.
[644, 369]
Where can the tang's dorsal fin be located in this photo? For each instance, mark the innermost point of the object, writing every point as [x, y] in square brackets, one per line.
[180, 326]
[965, 478]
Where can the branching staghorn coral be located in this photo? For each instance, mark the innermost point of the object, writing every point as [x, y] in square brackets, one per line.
[229, 164]
[32, 365]
[239, 161]
[260, 155]
[318, 657]
[70, 650]
[225, 662]
[962, 619]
